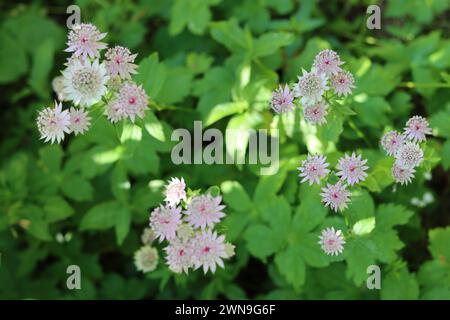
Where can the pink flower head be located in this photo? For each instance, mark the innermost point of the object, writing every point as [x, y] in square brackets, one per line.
[409, 155]
[391, 141]
[79, 121]
[115, 112]
[417, 128]
[164, 221]
[328, 62]
[316, 113]
[342, 83]
[204, 211]
[209, 250]
[52, 123]
[133, 100]
[179, 255]
[120, 62]
[313, 168]
[336, 196]
[332, 241]
[84, 41]
[175, 192]
[402, 175]
[352, 169]
[282, 99]
[310, 87]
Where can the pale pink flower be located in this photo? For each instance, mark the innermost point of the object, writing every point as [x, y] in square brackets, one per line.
[409, 155]
[79, 121]
[114, 111]
[164, 221]
[148, 236]
[204, 211]
[146, 259]
[209, 250]
[402, 175]
[175, 191]
[313, 168]
[327, 61]
[84, 40]
[316, 113]
[342, 83]
[133, 100]
[332, 241]
[391, 141]
[120, 62]
[282, 99]
[179, 255]
[53, 123]
[336, 196]
[417, 128]
[58, 87]
[352, 169]
[310, 87]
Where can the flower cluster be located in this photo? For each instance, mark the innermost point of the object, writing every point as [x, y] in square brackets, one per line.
[88, 80]
[187, 223]
[351, 170]
[405, 148]
[315, 89]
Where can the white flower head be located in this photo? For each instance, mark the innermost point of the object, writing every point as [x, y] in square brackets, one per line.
[179, 255]
[409, 155]
[53, 123]
[313, 168]
[343, 83]
[79, 121]
[316, 113]
[327, 61]
[164, 221]
[417, 128]
[352, 169]
[282, 100]
[146, 259]
[175, 191]
[85, 84]
[336, 196]
[402, 175]
[84, 40]
[133, 100]
[209, 250]
[120, 62]
[310, 87]
[332, 241]
[204, 211]
[392, 141]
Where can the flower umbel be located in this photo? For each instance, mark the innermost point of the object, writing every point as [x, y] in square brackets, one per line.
[352, 169]
[209, 250]
[52, 123]
[313, 168]
[179, 255]
[282, 100]
[204, 211]
[342, 83]
[84, 40]
[316, 113]
[310, 87]
[336, 196]
[132, 100]
[417, 128]
[332, 241]
[120, 62]
[409, 155]
[146, 259]
[175, 191]
[327, 61]
[402, 175]
[391, 141]
[79, 121]
[164, 221]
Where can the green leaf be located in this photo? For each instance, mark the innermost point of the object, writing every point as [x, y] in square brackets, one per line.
[13, 60]
[261, 241]
[399, 285]
[235, 196]
[364, 226]
[42, 65]
[270, 42]
[154, 126]
[223, 110]
[359, 253]
[292, 266]
[56, 209]
[230, 35]
[439, 243]
[77, 188]
[151, 74]
[195, 14]
[122, 224]
[311, 211]
[181, 79]
[389, 215]
[102, 216]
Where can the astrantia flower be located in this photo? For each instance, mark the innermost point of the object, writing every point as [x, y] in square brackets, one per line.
[84, 40]
[282, 99]
[85, 84]
[184, 232]
[336, 196]
[204, 211]
[120, 62]
[133, 100]
[148, 236]
[342, 83]
[313, 169]
[209, 250]
[179, 255]
[58, 87]
[352, 169]
[79, 121]
[391, 141]
[417, 128]
[332, 241]
[409, 155]
[310, 87]
[164, 221]
[52, 123]
[316, 113]
[146, 259]
[114, 111]
[402, 175]
[175, 191]
[328, 62]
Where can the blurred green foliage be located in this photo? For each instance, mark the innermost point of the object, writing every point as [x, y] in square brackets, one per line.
[86, 202]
